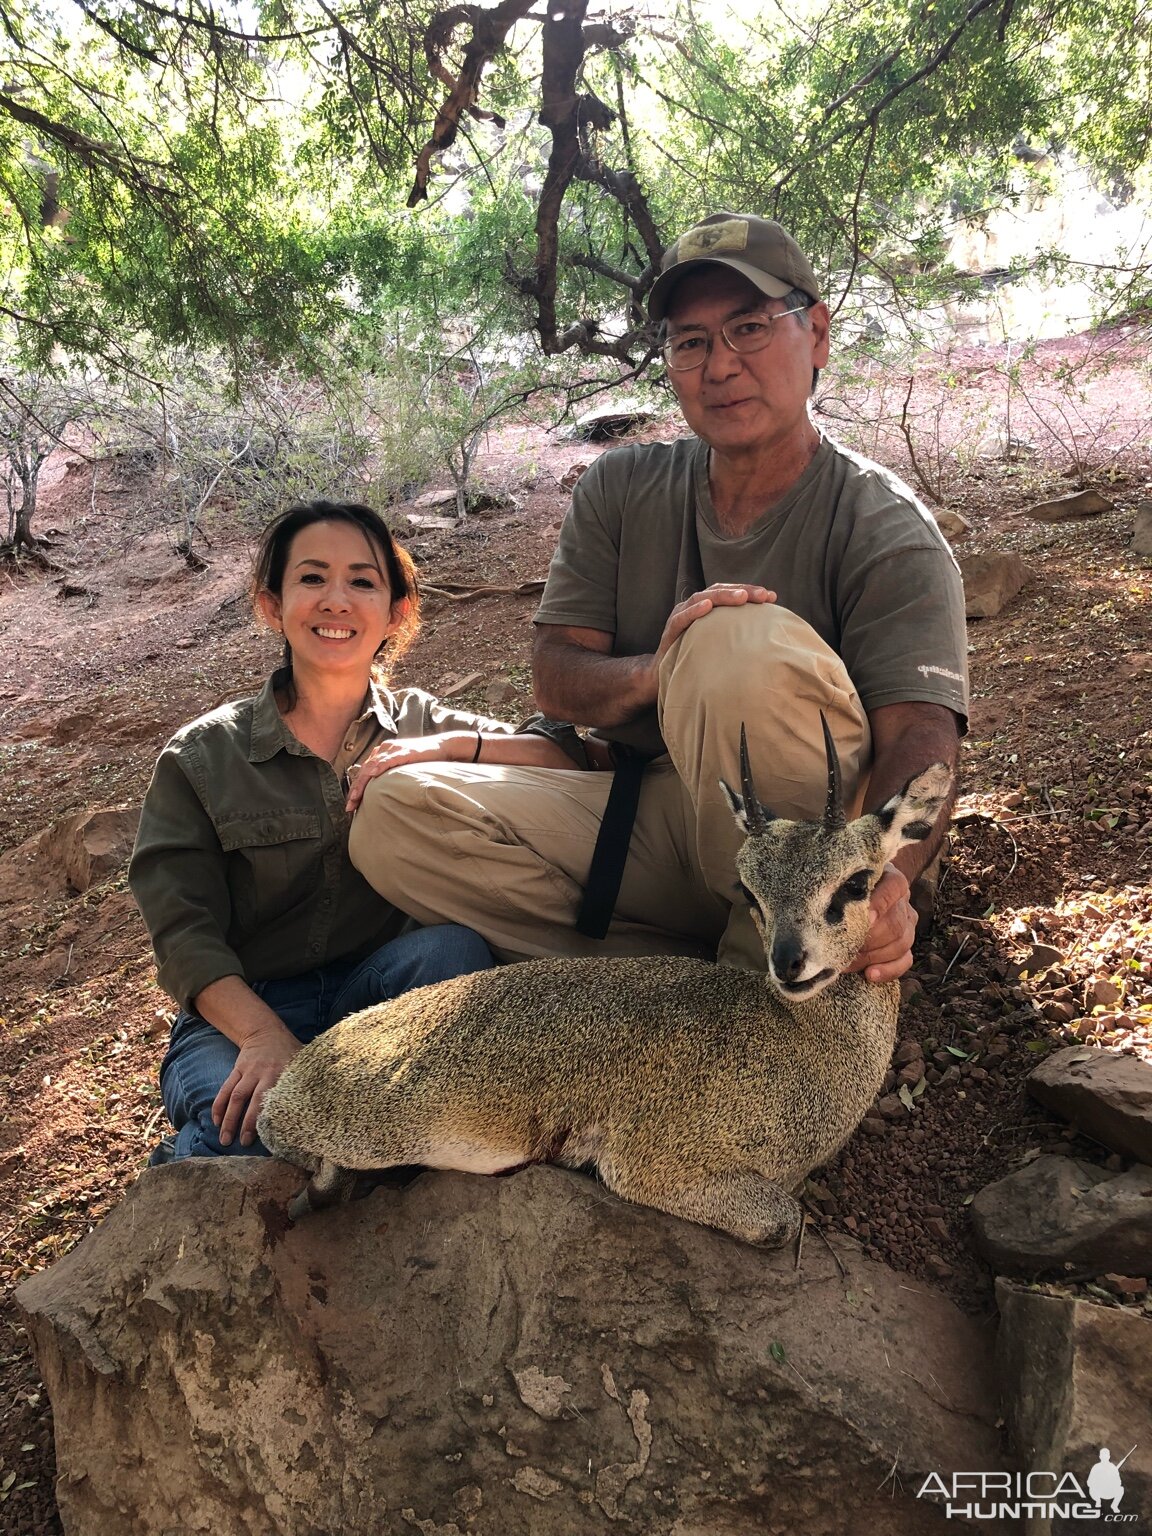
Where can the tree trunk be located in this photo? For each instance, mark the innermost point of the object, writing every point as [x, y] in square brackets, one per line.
[22, 536]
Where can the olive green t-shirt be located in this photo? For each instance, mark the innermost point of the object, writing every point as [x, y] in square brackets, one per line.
[849, 549]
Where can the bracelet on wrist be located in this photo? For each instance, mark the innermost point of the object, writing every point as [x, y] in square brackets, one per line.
[479, 744]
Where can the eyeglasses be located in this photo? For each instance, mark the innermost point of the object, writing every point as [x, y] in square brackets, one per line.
[745, 333]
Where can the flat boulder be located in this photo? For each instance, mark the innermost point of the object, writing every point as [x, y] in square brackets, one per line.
[524, 1355]
[1064, 509]
[1107, 1097]
[608, 422]
[1060, 1211]
[1142, 529]
[990, 582]
[1078, 1383]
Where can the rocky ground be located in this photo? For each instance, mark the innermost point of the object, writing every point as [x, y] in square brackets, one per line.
[1042, 931]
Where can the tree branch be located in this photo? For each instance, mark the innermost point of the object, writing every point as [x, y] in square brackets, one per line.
[490, 31]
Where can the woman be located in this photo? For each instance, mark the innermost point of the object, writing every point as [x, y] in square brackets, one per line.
[263, 932]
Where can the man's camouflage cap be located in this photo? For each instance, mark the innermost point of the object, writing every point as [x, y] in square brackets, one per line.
[758, 249]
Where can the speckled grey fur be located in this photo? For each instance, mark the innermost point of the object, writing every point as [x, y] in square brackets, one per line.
[702, 1090]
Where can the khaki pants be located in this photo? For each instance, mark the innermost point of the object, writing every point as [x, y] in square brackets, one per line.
[506, 850]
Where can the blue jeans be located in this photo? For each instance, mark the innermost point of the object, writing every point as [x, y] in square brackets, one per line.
[199, 1057]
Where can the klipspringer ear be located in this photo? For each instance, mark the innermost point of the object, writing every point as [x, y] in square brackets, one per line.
[911, 814]
[751, 817]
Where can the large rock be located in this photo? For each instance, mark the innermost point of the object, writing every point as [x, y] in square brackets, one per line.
[1142, 529]
[990, 581]
[511, 1357]
[1067, 508]
[608, 422]
[86, 847]
[1079, 1380]
[1060, 1211]
[1107, 1097]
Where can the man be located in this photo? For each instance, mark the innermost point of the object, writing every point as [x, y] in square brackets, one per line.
[753, 574]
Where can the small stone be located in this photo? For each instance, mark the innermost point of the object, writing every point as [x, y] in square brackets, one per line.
[469, 1500]
[1040, 957]
[871, 1125]
[937, 1267]
[910, 989]
[890, 1107]
[906, 1051]
[951, 523]
[537, 1484]
[1101, 993]
[1059, 1013]
[909, 1076]
[938, 1227]
[1125, 1285]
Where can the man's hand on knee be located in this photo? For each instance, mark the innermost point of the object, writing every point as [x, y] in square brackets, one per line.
[722, 594]
[887, 951]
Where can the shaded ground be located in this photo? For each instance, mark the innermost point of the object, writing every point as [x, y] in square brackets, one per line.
[1053, 843]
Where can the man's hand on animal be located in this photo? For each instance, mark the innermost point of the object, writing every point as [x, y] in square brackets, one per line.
[887, 951]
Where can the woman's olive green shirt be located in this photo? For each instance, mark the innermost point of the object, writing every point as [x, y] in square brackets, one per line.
[241, 862]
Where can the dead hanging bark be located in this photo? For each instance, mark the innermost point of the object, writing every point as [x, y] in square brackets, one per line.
[573, 117]
[490, 31]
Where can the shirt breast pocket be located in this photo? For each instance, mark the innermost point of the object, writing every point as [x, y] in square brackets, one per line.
[275, 866]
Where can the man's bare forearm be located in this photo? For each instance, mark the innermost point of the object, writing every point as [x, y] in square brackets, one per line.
[907, 738]
[589, 687]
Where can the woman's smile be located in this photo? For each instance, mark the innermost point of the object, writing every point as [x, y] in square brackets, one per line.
[335, 601]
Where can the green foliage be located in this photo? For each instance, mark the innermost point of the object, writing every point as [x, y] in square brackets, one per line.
[194, 178]
[282, 438]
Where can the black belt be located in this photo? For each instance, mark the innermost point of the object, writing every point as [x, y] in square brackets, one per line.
[611, 851]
